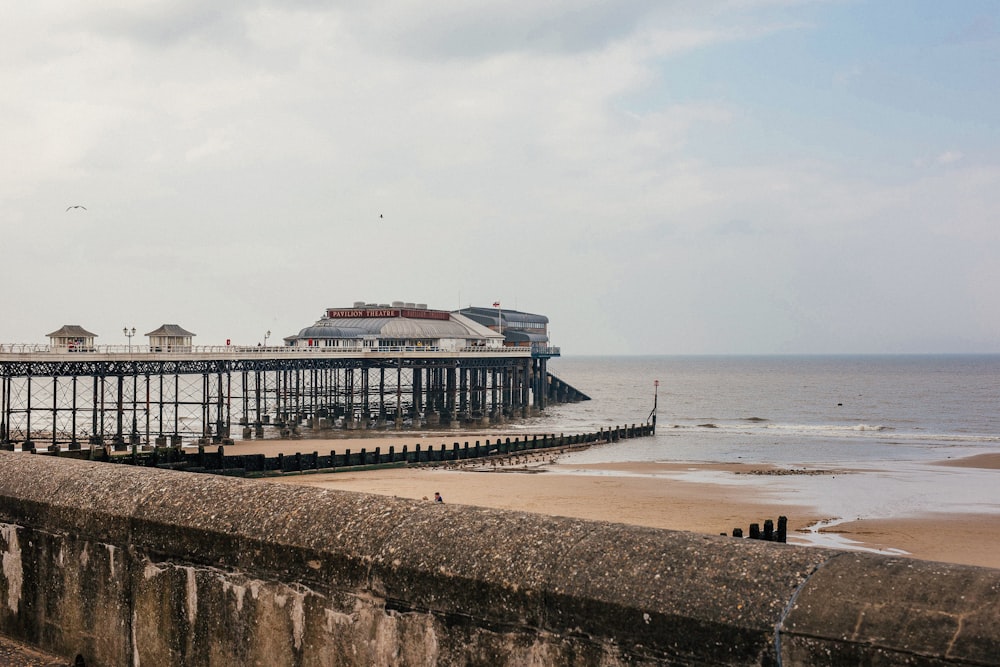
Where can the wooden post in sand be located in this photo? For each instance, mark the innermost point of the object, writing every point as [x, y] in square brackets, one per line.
[656, 391]
[769, 530]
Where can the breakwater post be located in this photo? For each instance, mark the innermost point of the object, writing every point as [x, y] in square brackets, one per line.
[769, 534]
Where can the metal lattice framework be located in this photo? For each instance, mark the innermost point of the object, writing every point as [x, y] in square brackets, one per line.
[54, 400]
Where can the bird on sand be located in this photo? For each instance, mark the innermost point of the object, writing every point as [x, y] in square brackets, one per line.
[76, 206]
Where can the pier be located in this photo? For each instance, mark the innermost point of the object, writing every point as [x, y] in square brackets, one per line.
[64, 397]
[396, 365]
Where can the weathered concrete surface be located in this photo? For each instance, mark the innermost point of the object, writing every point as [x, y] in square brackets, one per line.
[16, 654]
[129, 566]
[865, 609]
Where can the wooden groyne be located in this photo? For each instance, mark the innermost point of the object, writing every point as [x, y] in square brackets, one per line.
[769, 534]
[220, 461]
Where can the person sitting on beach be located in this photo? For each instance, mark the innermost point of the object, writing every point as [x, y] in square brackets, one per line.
[438, 498]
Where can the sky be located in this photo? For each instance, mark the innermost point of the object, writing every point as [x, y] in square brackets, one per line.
[655, 176]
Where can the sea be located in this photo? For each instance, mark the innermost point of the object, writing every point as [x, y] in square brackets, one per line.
[884, 422]
[787, 409]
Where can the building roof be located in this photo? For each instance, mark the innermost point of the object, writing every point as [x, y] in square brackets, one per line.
[71, 331]
[171, 330]
[456, 326]
[481, 313]
[323, 330]
[472, 325]
[525, 336]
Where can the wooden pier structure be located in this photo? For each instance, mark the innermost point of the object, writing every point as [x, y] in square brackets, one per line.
[398, 365]
[58, 397]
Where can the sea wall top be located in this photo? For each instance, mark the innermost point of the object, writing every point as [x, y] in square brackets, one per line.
[444, 583]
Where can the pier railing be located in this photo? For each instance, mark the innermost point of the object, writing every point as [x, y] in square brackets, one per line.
[256, 350]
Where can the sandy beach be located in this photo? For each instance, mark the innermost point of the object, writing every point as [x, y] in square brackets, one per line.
[708, 498]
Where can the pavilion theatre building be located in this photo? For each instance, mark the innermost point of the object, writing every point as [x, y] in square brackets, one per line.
[428, 366]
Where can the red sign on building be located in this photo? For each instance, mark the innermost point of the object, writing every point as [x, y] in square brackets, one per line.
[343, 313]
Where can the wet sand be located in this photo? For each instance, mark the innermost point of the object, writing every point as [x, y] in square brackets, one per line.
[990, 461]
[707, 498]
[970, 539]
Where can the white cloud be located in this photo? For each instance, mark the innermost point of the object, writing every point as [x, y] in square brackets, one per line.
[211, 146]
[949, 157]
[242, 155]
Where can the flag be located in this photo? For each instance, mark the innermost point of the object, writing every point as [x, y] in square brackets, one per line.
[496, 304]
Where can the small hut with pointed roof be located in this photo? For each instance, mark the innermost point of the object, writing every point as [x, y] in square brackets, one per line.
[72, 338]
[170, 338]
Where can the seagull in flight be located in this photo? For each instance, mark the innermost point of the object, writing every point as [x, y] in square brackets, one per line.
[76, 206]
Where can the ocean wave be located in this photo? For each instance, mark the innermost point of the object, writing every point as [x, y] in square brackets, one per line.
[761, 424]
[860, 431]
[854, 428]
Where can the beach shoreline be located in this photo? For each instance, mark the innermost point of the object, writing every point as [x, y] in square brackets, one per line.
[709, 498]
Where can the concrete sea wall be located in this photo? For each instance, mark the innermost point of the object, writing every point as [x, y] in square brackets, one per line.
[117, 565]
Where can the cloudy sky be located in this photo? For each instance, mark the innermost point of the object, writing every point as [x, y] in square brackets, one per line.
[656, 176]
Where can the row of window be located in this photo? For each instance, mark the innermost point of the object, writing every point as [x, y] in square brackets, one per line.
[368, 342]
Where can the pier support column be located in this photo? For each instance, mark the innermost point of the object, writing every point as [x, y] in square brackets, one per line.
[462, 408]
[417, 403]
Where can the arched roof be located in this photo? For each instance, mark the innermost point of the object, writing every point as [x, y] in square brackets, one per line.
[321, 330]
[457, 326]
[490, 315]
[401, 327]
[525, 337]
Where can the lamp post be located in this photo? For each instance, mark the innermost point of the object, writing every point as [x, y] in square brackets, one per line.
[135, 426]
[262, 392]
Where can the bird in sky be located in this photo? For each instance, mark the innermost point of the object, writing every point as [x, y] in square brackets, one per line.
[76, 206]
